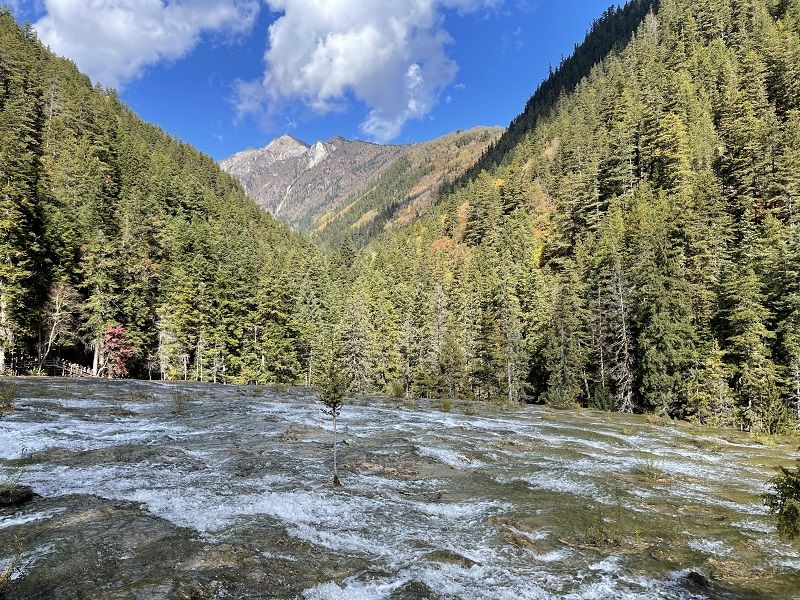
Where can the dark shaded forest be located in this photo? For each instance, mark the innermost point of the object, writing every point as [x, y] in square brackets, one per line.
[115, 235]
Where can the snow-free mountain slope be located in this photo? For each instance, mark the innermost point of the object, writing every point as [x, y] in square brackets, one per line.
[342, 187]
[297, 182]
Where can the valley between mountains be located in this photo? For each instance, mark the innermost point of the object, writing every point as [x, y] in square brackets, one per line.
[348, 188]
[559, 359]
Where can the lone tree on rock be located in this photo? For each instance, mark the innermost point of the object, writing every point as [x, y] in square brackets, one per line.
[333, 390]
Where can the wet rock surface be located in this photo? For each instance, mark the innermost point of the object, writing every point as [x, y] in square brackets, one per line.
[414, 590]
[230, 496]
[12, 494]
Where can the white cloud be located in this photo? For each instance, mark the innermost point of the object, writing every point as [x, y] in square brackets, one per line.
[389, 54]
[115, 40]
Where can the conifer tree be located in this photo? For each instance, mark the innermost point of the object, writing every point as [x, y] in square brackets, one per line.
[617, 308]
[333, 391]
[748, 349]
[21, 115]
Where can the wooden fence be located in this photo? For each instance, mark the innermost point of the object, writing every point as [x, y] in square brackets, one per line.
[54, 366]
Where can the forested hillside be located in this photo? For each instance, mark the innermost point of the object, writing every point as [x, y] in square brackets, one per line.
[632, 243]
[404, 191]
[636, 249]
[125, 248]
[611, 32]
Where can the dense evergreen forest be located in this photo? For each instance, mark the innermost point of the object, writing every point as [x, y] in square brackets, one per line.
[631, 244]
[636, 248]
[119, 242]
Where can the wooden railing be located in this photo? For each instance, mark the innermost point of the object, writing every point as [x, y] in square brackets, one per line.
[53, 366]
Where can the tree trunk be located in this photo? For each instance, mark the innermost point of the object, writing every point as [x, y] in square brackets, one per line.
[96, 359]
[797, 390]
[622, 369]
[5, 335]
[336, 481]
[509, 380]
[600, 346]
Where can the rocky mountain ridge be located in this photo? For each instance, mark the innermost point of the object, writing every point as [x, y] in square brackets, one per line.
[309, 186]
[297, 182]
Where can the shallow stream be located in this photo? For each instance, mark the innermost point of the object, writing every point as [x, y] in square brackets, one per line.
[170, 491]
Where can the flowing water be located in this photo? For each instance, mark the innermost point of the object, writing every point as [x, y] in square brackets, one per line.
[166, 491]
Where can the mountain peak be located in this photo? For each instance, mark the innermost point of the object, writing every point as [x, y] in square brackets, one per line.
[286, 147]
[302, 184]
[287, 142]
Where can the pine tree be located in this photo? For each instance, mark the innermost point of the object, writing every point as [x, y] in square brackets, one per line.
[665, 335]
[568, 347]
[309, 321]
[452, 363]
[748, 349]
[617, 308]
[101, 289]
[709, 398]
[21, 117]
[353, 336]
[333, 391]
[513, 355]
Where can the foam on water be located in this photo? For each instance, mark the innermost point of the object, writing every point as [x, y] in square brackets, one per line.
[18, 437]
[753, 525]
[227, 467]
[340, 541]
[554, 556]
[21, 519]
[556, 481]
[351, 590]
[712, 547]
[464, 510]
[70, 402]
[449, 457]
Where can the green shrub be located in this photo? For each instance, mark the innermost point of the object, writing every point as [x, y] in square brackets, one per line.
[180, 399]
[599, 529]
[784, 501]
[649, 471]
[397, 390]
[446, 405]
[470, 410]
[764, 440]
[8, 395]
[654, 419]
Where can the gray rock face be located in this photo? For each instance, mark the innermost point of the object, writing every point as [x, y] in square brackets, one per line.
[298, 183]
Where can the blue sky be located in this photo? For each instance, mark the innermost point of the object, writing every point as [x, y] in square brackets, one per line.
[198, 68]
